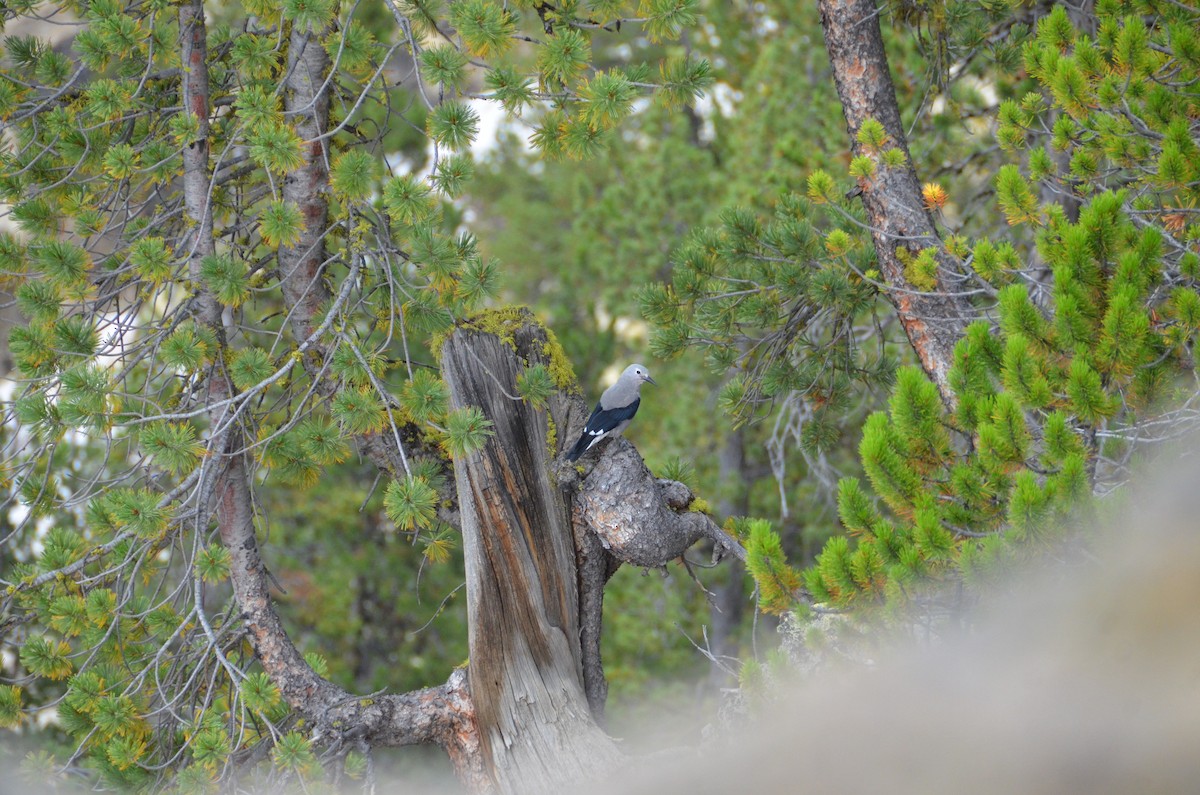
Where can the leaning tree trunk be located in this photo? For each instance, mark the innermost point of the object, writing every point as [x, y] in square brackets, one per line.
[934, 321]
[540, 540]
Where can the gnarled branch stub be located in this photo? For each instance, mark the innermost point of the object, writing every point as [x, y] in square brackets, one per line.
[640, 519]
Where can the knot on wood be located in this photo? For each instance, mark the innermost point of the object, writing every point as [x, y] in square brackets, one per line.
[640, 519]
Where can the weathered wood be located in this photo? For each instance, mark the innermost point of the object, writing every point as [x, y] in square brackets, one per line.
[595, 566]
[526, 672]
[640, 519]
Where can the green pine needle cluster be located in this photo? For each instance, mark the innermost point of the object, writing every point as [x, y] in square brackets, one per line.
[174, 445]
[747, 294]
[1050, 385]
[467, 431]
[1015, 461]
[778, 583]
[411, 503]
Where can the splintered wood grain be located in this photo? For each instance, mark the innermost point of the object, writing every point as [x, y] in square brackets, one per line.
[526, 677]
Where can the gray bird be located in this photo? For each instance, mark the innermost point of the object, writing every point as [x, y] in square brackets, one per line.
[616, 408]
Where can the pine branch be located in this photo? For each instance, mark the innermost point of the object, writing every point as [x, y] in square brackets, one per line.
[419, 717]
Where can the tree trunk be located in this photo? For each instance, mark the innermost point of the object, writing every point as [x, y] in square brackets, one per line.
[526, 673]
[540, 540]
[442, 715]
[933, 321]
[306, 101]
[728, 605]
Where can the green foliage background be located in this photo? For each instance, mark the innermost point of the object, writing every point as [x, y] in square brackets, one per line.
[713, 241]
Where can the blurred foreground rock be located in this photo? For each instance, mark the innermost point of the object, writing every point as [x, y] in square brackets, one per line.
[1079, 680]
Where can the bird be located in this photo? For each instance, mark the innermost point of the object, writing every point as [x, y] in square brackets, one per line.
[616, 408]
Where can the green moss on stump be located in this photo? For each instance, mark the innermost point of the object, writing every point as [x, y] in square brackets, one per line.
[504, 323]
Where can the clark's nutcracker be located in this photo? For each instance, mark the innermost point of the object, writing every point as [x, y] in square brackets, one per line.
[616, 408]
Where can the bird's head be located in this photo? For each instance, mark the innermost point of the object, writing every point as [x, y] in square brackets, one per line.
[639, 374]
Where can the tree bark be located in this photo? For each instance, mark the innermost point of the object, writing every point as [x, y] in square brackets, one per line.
[193, 46]
[443, 715]
[306, 103]
[541, 538]
[526, 673]
[729, 597]
[640, 519]
[302, 266]
[933, 321]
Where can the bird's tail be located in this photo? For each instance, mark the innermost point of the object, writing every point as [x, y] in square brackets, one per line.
[579, 449]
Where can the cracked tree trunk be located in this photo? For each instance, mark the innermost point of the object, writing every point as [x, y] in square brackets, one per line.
[540, 542]
[934, 321]
[526, 672]
[523, 718]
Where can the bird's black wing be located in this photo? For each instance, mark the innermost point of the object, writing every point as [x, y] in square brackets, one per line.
[604, 420]
[601, 422]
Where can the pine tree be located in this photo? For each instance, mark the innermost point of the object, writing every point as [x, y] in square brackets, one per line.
[238, 264]
[1082, 339]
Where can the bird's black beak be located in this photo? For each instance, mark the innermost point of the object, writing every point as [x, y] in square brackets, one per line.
[651, 380]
